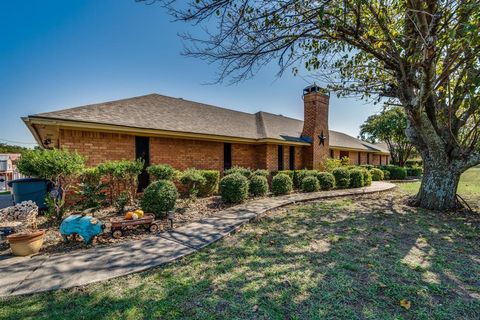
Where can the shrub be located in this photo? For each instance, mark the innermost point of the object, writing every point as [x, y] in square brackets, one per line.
[377, 174]
[289, 173]
[345, 161]
[414, 171]
[159, 198]
[310, 184]
[326, 180]
[386, 174]
[367, 177]
[162, 172]
[367, 166]
[91, 189]
[234, 188]
[331, 164]
[396, 172]
[342, 177]
[121, 202]
[59, 166]
[246, 172]
[258, 185]
[281, 184]
[210, 186]
[299, 175]
[121, 174]
[356, 178]
[261, 172]
[414, 163]
[193, 180]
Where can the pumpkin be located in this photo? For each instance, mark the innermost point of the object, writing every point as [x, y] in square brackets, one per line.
[139, 213]
[129, 215]
[134, 216]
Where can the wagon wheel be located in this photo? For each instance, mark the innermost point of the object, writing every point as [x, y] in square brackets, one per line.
[153, 228]
[117, 234]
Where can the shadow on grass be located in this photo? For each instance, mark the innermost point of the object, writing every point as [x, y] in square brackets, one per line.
[332, 259]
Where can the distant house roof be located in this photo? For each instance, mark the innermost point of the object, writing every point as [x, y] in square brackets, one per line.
[164, 113]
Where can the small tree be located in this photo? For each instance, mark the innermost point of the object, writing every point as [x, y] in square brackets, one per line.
[59, 166]
[121, 175]
[389, 126]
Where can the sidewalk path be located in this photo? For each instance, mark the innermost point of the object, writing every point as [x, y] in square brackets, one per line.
[25, 275]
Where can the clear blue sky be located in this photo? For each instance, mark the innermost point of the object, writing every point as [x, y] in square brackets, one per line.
[56, 54]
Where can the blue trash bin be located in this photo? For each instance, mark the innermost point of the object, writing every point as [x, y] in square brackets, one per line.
[34, 189]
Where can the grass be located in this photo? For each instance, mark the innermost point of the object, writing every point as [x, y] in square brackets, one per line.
[335, 259]
[4, 192]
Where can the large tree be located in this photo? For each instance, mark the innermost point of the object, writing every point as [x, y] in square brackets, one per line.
[423, 55]
[389, 126]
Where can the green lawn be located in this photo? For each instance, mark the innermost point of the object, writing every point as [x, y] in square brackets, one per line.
[337, 259]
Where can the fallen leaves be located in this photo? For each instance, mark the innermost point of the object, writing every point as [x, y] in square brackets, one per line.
[406, 304]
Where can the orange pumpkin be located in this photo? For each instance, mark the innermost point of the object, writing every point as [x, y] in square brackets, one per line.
[129, 215]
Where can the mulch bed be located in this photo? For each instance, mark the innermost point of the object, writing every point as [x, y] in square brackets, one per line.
[186, 211]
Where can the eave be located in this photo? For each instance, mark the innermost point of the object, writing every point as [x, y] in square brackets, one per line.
[102, 127]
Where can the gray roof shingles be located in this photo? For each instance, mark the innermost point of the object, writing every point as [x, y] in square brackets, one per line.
[164, 113]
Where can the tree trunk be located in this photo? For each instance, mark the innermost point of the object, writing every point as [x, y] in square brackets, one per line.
[439, 187]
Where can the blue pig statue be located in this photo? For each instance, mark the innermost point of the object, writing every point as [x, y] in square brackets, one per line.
[85, 226]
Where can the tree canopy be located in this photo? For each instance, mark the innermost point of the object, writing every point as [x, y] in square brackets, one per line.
[389, 126]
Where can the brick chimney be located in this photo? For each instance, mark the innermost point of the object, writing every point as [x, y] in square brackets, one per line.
[315, 126]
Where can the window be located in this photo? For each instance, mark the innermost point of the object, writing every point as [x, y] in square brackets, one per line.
[332, 154]
[227, 156]
[344, 154]
[3, 165]
[359, 158]
[368, 158]
[292, 157]
[280, 157]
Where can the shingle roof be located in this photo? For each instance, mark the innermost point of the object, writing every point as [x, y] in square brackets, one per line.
[164, 113]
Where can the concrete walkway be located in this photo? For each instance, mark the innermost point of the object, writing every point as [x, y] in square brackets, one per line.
[25, 275]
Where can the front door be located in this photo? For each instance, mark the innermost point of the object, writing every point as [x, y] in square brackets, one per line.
[142, 151]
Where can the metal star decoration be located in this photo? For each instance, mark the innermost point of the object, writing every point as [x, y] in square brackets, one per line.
[322, 138]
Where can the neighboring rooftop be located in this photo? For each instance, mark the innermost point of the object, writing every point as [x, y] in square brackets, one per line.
[164, 113]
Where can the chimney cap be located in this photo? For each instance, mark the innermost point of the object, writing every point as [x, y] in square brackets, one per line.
[314, 88]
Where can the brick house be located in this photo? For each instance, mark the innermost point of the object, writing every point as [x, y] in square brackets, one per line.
[187, 134]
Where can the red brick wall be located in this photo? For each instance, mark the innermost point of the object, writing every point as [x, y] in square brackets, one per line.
[183, 153]
[98, 147]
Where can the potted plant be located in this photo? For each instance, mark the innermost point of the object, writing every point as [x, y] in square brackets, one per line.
[28, 239]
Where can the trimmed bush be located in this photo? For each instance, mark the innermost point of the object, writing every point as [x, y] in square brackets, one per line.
[331, 164]
[162, 172]
[377, 174]
[299, 175]
[396, 172]
[356, 178]
[310, 184]
[414, 171]
[193, 180]
[246, 172]
[210, 186]
[258, 185]
[386, 175]
[261, 172]
[367, 166]
[367, 177]
[342, 177]
[326, 180]
[234, 188]
[281, 184]
[159, 198]
[289, 173]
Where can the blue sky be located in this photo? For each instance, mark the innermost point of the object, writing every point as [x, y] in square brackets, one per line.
[56, 54]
